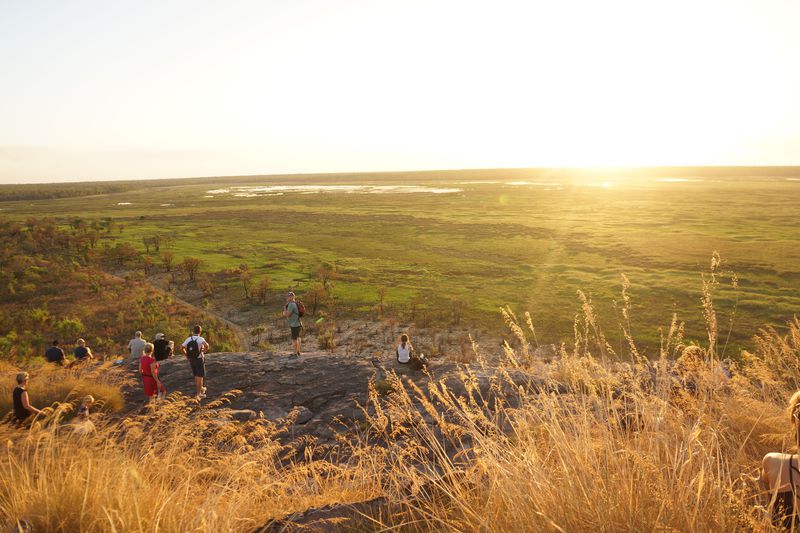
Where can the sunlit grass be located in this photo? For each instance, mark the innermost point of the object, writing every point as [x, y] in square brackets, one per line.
[604, 440]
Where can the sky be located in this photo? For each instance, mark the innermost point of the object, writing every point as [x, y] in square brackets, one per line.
[95, 90]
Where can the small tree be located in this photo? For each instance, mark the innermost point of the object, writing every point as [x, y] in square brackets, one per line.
[246, 277]
[382, 294]
[147, 263]
[326, 273]
[206, 284]
[262, 291]
[93, 236]
[124, 252]
[190, 266]
[167, 258]
[315, 296]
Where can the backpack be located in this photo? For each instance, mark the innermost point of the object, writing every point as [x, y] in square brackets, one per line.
[192, 348]
[301, 309]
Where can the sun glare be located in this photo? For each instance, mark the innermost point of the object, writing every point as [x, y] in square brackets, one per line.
[388, 86]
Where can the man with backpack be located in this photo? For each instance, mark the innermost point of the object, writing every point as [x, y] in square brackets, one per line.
[293, 310]
[195, 348]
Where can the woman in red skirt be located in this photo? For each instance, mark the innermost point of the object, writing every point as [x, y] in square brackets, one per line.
[153, 388]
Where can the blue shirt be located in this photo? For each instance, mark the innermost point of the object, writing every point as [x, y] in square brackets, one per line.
[54, 354]
[81, 352]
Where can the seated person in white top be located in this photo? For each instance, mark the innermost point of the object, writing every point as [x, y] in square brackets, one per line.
[781, 473]
[404, 350]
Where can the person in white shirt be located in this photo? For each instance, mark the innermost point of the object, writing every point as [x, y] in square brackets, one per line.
[781, 473]
[136, 346]
[195, 348]
[404, 350]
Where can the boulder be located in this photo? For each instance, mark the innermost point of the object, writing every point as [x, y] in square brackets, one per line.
[242, 415]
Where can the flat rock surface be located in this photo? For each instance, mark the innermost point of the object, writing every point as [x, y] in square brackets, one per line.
[320, 386]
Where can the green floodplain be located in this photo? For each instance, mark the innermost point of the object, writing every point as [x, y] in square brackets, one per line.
[478, 240]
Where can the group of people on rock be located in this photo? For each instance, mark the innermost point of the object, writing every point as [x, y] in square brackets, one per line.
[149, 354]
[55, 354]
[194, 347]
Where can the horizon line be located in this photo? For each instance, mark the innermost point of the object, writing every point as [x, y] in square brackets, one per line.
[589, 168]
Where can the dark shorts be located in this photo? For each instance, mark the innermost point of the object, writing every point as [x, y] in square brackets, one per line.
[296, 332]
[198, 365]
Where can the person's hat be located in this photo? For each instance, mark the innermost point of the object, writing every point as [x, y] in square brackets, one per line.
[159, 336]
[289, 294]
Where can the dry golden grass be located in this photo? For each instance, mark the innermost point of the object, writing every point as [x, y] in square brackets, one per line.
[52, 386]
[625, 446]
[179, 467]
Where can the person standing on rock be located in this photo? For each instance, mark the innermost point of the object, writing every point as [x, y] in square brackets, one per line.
[136, 345]
[195, 348]
[292, 312]
[153, 388]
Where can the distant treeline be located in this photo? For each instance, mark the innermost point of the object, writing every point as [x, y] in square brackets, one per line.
[51, 191]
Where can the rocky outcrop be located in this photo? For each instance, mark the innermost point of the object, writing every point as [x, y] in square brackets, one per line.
[322, 391]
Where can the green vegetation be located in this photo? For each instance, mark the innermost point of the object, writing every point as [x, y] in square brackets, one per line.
[456, 258]
[52, 286]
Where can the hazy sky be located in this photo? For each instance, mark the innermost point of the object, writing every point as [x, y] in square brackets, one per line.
[144, 89]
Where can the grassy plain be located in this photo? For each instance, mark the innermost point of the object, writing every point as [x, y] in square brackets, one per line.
[525, 238]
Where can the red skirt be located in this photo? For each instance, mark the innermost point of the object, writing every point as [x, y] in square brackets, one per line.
[150, 388]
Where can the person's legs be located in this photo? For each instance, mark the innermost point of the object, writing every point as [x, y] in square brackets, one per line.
[296, 339]
[149, 387]
[199, 372]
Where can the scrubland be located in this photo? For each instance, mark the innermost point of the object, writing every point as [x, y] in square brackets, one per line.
[606, 441]
[528, 239]
[652, 413]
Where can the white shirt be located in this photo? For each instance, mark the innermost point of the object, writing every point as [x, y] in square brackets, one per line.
[200, 341]
[136, 346]
[404, 354]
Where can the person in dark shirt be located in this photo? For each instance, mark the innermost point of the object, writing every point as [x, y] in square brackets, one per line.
[22, 405]
[162, 349]
[55, 354]
[82, 351]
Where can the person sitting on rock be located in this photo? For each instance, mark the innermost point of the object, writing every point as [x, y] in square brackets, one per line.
[153, 388]
[407, 356]
[54, 354]
[136, 345]
[22, 405]
[781, 473]
[404, 350]
[83, 352]
[82, 425]
[86, 405]
[161, 348]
